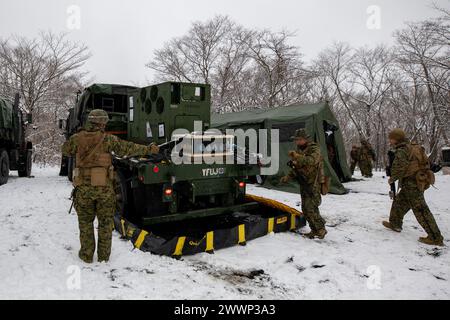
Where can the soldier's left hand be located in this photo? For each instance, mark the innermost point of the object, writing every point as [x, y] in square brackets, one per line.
[390, 181]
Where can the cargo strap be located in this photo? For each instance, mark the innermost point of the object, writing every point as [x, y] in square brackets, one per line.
[241, 232]
[210, 242]
[179, 247]
[140, 239]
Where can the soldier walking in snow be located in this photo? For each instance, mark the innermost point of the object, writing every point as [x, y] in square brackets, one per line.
[411, 168]
[307, 169]
[354, 157]
[366, 156]
[93, 181]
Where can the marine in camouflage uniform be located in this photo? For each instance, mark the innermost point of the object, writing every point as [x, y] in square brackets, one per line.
[307, 161]
[411, 196]
[354, 156]
[366, 156]
[93, 180]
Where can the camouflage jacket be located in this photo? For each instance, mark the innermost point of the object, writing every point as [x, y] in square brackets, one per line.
[111, 144]
[366, 153]
[307, 162]
[354, 154]
[401, 162]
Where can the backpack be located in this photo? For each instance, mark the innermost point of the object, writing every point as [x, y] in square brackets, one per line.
[419, 165]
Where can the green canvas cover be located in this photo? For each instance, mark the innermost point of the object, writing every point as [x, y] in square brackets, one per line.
[6, 114]
[317, 119]
[102, 88]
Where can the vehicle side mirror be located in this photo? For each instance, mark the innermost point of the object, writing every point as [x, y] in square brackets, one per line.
[29, 118]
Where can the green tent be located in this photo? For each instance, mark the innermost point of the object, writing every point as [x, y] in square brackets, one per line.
[317, 119]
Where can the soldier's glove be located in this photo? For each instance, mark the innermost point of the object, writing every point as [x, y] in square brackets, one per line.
[391, 181]
[154, 149]
[293, 154]
[284, 179]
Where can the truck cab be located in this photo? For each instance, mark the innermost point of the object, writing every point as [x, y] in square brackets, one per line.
[15, 151]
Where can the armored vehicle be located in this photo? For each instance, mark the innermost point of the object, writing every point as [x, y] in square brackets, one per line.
[15, 152]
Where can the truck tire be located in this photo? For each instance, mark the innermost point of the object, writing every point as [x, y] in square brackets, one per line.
[4, 166]
[63, 168]
[70, 163]
[25, 170]
[120, 188]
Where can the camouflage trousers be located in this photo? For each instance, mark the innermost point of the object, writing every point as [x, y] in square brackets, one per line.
[91, 202]
[366, 168]
[311, 200]
[410, 197]
[353, 164]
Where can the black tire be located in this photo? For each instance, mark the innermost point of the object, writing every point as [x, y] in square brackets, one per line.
[25, 170]
[120, 188]
[70, 166]
[4, 167]
[63, 168]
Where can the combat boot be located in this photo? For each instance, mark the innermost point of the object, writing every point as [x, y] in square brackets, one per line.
[310, 235]
[388, 225]
[321, 233]
[432, 242]
[85, 259]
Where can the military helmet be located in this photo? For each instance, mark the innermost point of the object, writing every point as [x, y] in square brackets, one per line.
[397, 134]
[300, 133]
[98, 116]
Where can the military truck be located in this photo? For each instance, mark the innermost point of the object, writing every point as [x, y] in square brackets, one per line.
[170, 207]
[445, 157]
[153, 189]
[109, 97]
[15, 151]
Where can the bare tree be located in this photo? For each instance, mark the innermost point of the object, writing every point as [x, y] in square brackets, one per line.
[193, 56]
[427, 58]
[46, 72]
[278, 66]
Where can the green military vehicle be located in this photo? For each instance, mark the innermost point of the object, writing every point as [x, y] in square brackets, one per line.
[15, 152]
[445, 157]
[153, 189]
[111, 98]
[178, 201]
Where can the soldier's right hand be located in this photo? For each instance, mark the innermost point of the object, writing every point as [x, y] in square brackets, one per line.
[284, 179]
[292, 154]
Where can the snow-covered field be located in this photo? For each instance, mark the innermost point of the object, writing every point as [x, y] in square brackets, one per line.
[359, 258]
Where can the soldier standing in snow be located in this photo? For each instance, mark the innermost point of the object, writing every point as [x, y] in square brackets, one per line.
[412, 169]
[307, 170]
[354, 156]
[366, 156]
[93, 181]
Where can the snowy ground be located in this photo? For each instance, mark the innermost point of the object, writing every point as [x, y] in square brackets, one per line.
[359, 259]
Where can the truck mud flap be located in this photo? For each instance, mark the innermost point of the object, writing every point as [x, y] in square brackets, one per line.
[277, 218]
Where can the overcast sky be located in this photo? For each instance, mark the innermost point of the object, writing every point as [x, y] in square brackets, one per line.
[122, 35]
